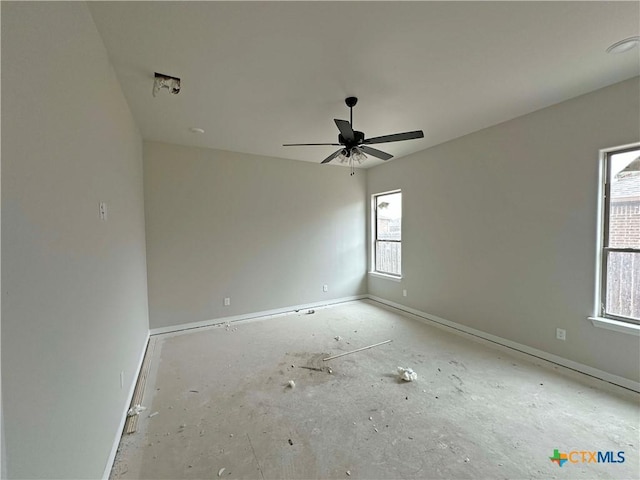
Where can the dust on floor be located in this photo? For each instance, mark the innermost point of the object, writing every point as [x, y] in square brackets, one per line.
[225, 407]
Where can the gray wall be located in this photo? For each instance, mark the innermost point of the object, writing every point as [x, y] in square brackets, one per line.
[499, 234]
[74, 307]
[266, 232]
[499, 227]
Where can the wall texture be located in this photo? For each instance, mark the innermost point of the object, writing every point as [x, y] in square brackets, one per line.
[499, 227]
[74, 305]
[267, 233]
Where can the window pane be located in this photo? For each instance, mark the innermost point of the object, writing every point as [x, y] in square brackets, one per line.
[623, 284]
[388, 257]
[624, 200]
[389, 216]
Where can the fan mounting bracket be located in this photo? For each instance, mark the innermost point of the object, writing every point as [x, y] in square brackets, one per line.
[351, 101]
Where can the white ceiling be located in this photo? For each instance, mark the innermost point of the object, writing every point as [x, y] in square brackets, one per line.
[259, 74]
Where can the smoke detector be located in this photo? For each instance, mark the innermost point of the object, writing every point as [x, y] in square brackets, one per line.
[624, 45]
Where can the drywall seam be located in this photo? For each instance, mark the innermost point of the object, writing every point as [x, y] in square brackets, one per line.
[116, 442]
[463, 330]
[254, 315]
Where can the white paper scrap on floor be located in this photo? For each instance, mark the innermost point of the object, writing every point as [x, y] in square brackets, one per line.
[407, 374]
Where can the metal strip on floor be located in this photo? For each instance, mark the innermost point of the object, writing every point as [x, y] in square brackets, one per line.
[131, 424]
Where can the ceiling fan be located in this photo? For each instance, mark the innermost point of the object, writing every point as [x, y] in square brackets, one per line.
[353, 143]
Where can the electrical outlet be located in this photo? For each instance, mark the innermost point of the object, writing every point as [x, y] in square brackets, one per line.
[561, 334]
[325, 288]
[227, 301]
[404, 293]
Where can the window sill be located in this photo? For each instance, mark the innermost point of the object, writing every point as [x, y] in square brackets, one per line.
[616, 325]
[386, 277]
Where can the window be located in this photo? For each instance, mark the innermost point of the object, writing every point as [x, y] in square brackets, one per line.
[387, 233]
[620, 255]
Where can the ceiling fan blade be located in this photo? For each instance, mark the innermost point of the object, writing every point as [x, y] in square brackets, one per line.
[345, 130]
[396, 137]
[332, 156]
[375, 153]
[308, 144]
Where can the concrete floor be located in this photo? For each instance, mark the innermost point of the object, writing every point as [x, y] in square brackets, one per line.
[475, 411]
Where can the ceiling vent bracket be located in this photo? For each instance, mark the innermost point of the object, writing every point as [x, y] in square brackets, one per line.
[166, 81]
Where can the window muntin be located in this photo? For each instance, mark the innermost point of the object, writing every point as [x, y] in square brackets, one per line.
[620, 283]
[388, 233]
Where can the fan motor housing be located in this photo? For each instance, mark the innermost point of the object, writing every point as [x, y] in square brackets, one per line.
[358, 139]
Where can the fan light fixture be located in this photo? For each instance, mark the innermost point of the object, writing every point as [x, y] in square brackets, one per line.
[352, 157]
[624, 45]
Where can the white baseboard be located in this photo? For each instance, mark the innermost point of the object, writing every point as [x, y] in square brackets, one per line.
[132, 388]
[503, 342]
[254, 315]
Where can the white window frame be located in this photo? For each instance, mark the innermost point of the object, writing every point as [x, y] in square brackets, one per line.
[600, 318]
[374, 234]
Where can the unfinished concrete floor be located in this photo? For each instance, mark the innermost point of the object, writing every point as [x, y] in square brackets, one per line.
[223, 401]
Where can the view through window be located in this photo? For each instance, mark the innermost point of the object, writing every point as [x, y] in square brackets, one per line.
[388, 233]
[621, 246]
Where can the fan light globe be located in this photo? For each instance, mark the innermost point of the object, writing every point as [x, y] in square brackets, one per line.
[357, 155]
[352, 157]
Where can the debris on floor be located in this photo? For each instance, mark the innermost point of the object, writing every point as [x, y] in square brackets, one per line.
[349, 473]
[313, 368]
[311, 312]
[221, 471]
[356, 350]
[153, 414]
[338, 338]
[407, 374]
[292, 384]
[136, 410]
[290, 442]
